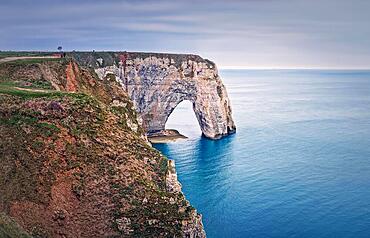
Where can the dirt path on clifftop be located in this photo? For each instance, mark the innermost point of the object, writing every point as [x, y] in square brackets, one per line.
[8, 59]
[34, 90]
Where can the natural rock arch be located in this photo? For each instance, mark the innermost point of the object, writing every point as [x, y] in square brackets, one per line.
[156, 87]
[157, 83]
[183, 116]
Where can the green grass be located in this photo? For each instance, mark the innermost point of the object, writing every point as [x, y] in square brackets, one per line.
[4, 54]
[43, 128]
[40, 84]
[17, 120]
[10, 229]
[164, 166]
[6, 81]
[9, 89]
[34, 61]
[29, 94]
[8, 84]
[48, 128]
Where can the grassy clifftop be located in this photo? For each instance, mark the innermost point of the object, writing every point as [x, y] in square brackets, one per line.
[74, 160]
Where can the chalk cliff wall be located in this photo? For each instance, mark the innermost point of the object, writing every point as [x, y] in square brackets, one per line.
[157, 83]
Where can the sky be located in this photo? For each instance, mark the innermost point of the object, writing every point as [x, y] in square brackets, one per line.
[232, 33]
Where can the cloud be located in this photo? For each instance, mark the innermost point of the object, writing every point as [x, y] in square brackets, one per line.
[300, 33]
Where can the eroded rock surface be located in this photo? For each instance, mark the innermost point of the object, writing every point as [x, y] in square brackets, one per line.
[157, 83]
[75, 161]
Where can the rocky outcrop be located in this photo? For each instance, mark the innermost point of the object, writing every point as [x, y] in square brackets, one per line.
[194, 227]
[75, 161]
[157, 83]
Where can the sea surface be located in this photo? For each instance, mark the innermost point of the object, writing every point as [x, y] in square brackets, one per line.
[299, 164]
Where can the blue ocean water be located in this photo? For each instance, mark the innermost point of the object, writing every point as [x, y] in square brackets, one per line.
[299, 164]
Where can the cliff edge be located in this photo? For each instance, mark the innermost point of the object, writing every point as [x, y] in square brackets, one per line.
[75, 161]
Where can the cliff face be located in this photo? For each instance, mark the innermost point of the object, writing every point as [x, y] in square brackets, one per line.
[157, 83]
[75, 161]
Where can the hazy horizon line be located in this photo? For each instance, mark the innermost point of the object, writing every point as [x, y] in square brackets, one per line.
[288, 68]
[219, 67]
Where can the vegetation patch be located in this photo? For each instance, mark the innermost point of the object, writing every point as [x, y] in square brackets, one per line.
[5, 54]
[10, 229]
[10, 88]
[34, 61]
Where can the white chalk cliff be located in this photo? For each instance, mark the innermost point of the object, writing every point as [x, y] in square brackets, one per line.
[157, 83]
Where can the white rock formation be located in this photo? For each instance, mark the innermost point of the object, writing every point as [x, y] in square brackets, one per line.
[157, 83]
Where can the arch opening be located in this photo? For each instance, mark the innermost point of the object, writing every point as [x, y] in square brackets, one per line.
[184, 120]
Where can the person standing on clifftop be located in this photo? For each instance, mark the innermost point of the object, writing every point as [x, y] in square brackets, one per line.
[61, 53]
